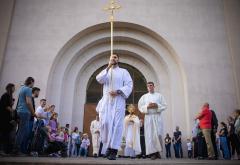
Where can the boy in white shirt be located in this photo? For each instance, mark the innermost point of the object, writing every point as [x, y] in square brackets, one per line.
[189, 147]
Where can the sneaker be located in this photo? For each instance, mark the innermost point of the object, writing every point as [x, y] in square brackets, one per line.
[20, 154]
[56, 155]
[34, 154]
[211, 158]
[3, 154]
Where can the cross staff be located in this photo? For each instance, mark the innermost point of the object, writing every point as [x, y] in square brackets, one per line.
[111, 7]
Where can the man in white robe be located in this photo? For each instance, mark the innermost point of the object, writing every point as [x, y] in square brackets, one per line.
[152, 104]
[117, 86]
[132, 133]
[95, 131]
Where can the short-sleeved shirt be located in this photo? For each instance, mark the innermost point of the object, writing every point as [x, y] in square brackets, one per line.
[22, 104]
[40, 112]
[189, 146]
[176, 135]
[85, 143]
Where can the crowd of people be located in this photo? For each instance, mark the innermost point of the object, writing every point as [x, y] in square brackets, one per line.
[26, 130]
[29, 131]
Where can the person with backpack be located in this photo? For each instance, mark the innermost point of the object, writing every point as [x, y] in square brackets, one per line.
[213, 133]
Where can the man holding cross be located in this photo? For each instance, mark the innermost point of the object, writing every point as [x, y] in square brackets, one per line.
[117, 86]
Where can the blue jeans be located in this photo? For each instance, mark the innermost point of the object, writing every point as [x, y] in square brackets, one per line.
[168, 150]
[178, 150]
[23, 131]
[224, 146]
[26, 147]
[83, 152]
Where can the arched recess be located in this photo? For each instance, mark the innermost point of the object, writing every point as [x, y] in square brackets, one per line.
[138, 46]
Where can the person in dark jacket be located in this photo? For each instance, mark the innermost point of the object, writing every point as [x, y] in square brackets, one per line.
[6, 103]
[213, 133]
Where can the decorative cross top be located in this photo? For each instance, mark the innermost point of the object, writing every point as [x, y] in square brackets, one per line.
[111, 7]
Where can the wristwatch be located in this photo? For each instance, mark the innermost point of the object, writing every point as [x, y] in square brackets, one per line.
[119, 92]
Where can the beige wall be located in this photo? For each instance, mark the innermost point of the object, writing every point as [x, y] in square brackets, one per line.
[232, 16]
[6, 10]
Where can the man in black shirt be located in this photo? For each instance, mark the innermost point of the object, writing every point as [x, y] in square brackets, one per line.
[178, 143]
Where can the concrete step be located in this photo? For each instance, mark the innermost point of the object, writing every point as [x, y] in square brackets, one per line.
[97, 161]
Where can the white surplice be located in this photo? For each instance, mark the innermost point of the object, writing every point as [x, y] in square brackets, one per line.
[131, 134]
[153, 124]
[95, 126]
[112, 109]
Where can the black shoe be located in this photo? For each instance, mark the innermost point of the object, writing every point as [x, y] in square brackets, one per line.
[154, 156]
[113, 154]
[95, 156]
[158, 155]
[108, 152]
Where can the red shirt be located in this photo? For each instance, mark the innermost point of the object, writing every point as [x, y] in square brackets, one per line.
[205, 118]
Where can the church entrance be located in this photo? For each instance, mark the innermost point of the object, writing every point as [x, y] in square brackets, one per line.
[94, 94]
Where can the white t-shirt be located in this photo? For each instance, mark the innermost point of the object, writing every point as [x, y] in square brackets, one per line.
[40, 112]
[74, 137]
[189, 146]
[85, 143]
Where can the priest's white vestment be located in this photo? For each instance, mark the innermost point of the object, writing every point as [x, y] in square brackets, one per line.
[131, 134]
[112, 109]
[95, 131]
[153, 124]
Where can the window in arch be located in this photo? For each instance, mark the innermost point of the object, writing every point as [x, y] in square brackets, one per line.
[94, 89]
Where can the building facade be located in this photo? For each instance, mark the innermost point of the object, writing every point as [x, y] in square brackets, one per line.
[189, 48]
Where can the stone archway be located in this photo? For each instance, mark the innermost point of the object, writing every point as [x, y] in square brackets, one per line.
[137, 46]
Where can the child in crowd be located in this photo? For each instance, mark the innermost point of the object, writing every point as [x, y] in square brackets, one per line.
[223, 133]
[84, 146]
[189, 147]
[167, 141]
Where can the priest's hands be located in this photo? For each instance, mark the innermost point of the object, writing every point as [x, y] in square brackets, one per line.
[110, 64]
[97, 132]
[131, 121]
[152, 106]
[113, 93]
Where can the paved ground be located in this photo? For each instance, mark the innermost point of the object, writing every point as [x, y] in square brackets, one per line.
[120, 161]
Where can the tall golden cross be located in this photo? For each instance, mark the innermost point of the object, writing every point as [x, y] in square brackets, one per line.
[111, 7]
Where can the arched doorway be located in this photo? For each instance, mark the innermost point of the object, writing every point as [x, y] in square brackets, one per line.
[94, 94]
[137, 46]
